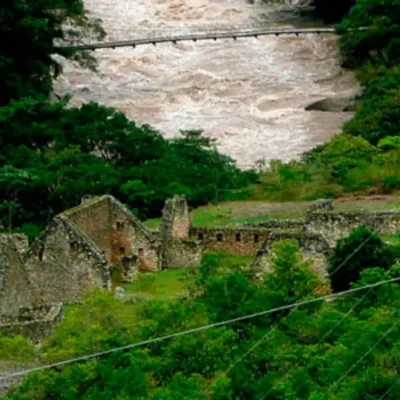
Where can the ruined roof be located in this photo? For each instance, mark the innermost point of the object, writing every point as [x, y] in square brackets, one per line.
[85, 204]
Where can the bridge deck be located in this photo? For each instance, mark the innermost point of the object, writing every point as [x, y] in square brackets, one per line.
[202, 36]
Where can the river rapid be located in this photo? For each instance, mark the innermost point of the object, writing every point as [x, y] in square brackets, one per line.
[248, 94]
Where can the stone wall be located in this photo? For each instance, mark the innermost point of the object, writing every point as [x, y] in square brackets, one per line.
[277, 225]
[240, 241]
[309, 242]
[312, 247]
[63, 264]
[182, 254]
[15, 290]
[117, 233]
[335, 225]
[92, 217]
[130, 237]
[35, 323]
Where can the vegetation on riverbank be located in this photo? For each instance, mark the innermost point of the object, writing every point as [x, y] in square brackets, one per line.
[365, 158]
[347, 349]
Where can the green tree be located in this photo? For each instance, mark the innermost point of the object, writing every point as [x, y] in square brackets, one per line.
[31, 32]
[362, 249]
[380, 43]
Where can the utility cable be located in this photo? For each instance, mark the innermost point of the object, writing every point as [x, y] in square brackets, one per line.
[318, 287]
[198, 329]
[395, 325]
[326, 334]
[390, 389]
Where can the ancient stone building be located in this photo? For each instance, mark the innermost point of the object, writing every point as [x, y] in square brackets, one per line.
[63, 263]
[83, 247]
[89, 245]
[316, 233]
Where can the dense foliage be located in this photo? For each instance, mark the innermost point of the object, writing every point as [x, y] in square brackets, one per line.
[54, 154]
[346, 349]
[366, 157]
[361, 250]
[31, 31]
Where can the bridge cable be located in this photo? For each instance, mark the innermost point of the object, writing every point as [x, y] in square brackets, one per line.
[205, 36]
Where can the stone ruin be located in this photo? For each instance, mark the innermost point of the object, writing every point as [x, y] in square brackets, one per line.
[100, 240]
[20, 311]
[316, 234]
[83, 248]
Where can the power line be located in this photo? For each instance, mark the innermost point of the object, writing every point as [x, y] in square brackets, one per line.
[327, 334]
[318, 287]
[395, 325]
[390, 389]
[198, 329]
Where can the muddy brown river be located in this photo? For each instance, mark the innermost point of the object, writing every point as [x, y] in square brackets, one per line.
[248, 94]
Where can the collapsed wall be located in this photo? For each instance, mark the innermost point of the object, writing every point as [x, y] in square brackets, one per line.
[316, 234]
[15, 290]
[22, 312]
[34, 323]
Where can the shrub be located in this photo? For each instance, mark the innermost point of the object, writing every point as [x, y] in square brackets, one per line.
[362, 249]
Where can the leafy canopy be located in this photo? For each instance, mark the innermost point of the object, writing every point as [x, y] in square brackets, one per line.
[31, 32]
[305, 354]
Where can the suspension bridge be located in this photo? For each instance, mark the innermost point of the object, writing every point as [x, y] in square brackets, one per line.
[155, 39]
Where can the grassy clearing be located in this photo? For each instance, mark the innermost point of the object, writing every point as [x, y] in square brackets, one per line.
[229, 260]
[162, 285]
[173, 283]
[239, 213]
[242, 212]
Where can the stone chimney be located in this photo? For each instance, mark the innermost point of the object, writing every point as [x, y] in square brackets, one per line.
[175, 223]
